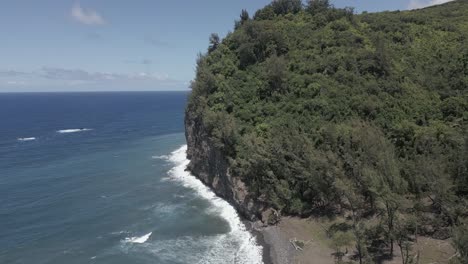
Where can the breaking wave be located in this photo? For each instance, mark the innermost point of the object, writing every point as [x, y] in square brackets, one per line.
[238, 246]
[73, 130]
[139, 240]
[26, 139]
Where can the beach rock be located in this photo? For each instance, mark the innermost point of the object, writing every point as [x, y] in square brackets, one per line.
[270, 217]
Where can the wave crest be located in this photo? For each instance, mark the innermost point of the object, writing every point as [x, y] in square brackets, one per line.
[73, 130]
[138, 240]
[26, 139]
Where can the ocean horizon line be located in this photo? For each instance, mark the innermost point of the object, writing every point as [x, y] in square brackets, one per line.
[94, 92]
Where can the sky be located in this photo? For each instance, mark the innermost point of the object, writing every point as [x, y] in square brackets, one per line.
[109, 45]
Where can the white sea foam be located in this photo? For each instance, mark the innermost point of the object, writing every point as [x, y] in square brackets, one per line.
[26, 139]
[139, 240]
[238, 246]
[120, 233]
[73, 130]
[162, 157]
[165, 179]
[162, 208]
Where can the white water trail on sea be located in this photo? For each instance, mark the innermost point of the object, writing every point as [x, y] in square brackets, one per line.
[246, 250]
[27, 139]
[73, 130]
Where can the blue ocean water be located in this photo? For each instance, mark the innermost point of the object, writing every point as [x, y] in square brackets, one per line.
[100, 178]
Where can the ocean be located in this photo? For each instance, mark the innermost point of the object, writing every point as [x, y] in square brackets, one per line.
[100, 178]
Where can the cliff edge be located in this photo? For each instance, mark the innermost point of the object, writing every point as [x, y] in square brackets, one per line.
[210, 165]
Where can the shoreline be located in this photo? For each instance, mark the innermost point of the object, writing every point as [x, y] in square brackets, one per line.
[258, 235]
[276, 248]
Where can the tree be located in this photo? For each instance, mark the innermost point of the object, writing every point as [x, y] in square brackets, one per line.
[392, 202]
[276, 74]
[340, 240]
[361, 242]
[460, 241]
[382, 57]
[214, 42]
[246, 55]
[266, 13]
[283, 7]
[317, 6]
[404, 238]
[244, 16]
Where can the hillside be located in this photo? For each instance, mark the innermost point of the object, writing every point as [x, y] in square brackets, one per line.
[313, 110]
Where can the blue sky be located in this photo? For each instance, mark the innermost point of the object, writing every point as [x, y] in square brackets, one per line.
[104, 45]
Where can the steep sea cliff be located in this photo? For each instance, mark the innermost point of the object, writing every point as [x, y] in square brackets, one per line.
[210, 166]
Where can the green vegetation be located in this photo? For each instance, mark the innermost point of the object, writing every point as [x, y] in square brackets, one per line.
[321, 111]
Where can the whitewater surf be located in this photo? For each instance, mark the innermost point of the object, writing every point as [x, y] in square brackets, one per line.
[238, 246]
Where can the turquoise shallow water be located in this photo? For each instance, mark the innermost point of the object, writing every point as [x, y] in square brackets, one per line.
[99, 178]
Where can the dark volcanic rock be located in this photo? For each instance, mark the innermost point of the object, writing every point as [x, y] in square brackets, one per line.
[208, 164]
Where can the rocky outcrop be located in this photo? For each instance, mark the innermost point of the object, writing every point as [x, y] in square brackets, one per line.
[208, 164]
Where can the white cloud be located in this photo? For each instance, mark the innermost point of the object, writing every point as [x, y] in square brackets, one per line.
[63, 79]
[15, 83]
[12, 73]
[86, 16]
[417, 4]
[96, 77]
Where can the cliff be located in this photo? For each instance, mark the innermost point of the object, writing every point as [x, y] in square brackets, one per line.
[210, 165]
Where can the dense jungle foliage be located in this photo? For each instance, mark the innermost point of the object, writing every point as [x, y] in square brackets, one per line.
[322, 111]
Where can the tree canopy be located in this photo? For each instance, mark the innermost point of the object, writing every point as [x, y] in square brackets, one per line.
[321, 110]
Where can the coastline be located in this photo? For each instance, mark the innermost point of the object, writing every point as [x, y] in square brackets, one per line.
[259, 237]
[207, 164]
[277, 248]
[275, 244]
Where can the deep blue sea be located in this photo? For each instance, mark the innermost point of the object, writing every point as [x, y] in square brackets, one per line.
[100, 178]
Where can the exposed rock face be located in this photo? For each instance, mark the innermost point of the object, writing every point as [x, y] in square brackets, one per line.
[210, 166]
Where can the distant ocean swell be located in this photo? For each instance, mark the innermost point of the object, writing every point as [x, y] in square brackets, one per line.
[73, 130]
[238, 246]
[62, 131]
[27, 139]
